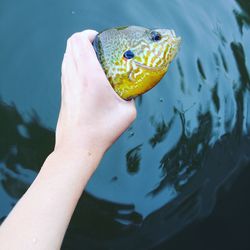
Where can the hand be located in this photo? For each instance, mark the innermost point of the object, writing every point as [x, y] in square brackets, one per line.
[92, 115]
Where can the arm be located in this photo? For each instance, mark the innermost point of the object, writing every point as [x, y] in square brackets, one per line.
[92, 117]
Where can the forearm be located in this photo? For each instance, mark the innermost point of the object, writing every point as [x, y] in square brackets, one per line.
[41, 217]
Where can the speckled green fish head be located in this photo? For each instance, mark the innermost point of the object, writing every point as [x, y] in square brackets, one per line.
[135, 58]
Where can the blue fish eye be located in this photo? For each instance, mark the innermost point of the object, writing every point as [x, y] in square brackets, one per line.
[128, 54]
[155, 36]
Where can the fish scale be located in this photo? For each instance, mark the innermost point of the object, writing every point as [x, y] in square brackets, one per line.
[150, 57]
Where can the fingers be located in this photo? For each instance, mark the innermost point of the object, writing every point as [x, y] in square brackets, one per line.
[76, 62]
[81, 56]
[68, 58]
[83, 52]
[80, 43]
[89, 34]
[133, 110]
[84, 36]
[79, 51]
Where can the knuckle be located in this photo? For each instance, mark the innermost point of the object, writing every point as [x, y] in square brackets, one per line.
[73, 38]
[133, 112]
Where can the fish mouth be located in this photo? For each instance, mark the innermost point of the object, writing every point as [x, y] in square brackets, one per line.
[170, 34]
[151, 68]
[177, 41]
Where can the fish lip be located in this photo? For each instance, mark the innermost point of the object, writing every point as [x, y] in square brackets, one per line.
[150, 68]
[178, 40]
[173, 33]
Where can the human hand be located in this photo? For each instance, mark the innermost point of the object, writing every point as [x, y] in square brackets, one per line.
[92, 115]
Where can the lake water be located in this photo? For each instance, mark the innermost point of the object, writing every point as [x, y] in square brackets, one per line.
[190, 138]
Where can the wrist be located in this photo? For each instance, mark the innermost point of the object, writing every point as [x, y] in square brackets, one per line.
[75, 161]
[79, 147]
[80, 154]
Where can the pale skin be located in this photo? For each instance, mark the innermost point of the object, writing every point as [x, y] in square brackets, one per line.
[92, 117]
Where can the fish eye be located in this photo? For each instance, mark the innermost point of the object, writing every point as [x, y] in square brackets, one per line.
[128, 54]
[155, 36]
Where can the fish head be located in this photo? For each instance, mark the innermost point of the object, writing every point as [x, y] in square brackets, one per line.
[136, 58]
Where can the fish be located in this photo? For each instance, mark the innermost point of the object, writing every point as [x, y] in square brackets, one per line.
[135, 58]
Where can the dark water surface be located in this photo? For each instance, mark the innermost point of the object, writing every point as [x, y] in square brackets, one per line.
[190, 139]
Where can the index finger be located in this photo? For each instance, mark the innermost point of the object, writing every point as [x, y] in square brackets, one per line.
[80, 44]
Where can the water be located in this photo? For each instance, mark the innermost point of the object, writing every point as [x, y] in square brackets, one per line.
[191, 136]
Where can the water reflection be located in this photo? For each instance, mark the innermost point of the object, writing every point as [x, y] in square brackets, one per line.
[161, 130]
[23, 148]
[133, 159]
[201, 70]
[240, 58]
[185, 159]
[181, 73]
[243, 18]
